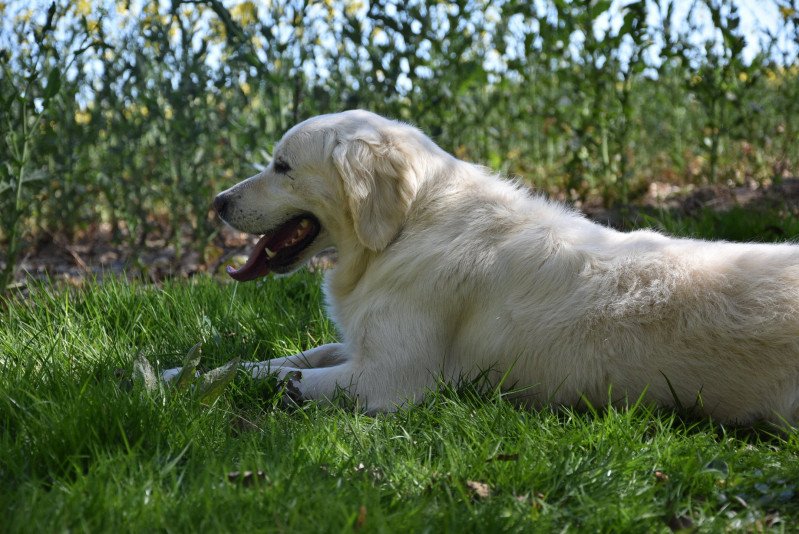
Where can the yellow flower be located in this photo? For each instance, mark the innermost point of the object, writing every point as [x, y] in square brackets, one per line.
[83, 7]
[25, 16]
[330, 10]
[352, 7]
[743, 76]
[244, 13]
[257, 42]
[218, 30]
[83, 117]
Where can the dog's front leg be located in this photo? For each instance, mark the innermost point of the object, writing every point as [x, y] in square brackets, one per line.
[322, 356]
[376, 385]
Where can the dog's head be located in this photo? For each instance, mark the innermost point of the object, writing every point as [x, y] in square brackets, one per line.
[334, 179]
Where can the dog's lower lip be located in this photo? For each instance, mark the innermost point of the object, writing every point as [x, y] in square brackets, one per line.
[278, 248]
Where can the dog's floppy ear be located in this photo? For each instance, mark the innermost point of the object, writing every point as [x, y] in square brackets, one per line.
[379, 184]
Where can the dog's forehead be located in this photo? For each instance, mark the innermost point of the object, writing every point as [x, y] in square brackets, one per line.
[298, 143]
[346, 122]
[334, 127]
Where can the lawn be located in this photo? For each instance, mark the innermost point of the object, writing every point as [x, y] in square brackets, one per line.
[84, 448]
[121, 122]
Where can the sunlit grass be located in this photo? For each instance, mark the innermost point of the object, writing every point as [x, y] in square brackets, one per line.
[81, 448]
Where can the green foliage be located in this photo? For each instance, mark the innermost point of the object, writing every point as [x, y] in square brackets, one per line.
[33, 89]
[81, 448]
[130, 116]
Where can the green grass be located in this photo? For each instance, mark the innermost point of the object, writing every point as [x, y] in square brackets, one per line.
[740, 223]
[82, 449]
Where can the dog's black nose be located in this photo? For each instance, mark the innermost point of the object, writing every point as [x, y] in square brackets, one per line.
[220, 204]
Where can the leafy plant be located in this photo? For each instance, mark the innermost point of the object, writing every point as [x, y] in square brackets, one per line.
[127, 118]
[33, 75]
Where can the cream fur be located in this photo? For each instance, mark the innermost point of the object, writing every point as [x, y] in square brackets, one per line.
[446, 270]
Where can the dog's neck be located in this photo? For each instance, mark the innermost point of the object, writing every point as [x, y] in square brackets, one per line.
[353, 261]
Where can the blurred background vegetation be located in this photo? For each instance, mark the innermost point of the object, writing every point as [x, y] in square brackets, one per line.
[124, 118]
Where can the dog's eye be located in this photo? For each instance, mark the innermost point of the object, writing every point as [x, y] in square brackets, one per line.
[281, 167]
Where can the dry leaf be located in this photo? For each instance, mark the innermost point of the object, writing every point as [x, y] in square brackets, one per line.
[214, 382]
[772, 519]
[661, 476]
[188, 372]
[143, 374]
[360, 521]
[480, 490]
[740, 500]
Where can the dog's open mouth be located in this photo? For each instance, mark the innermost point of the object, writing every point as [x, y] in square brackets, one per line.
[278, 248]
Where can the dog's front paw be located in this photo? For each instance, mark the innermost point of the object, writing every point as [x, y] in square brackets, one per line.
[292, 396]
[170, 375]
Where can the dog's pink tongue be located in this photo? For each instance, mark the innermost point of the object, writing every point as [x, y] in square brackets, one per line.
[277, 242]
[257, 264]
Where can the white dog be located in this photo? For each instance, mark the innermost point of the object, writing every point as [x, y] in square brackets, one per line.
[446, 270]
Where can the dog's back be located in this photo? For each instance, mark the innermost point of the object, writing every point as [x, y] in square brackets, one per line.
[577, 310]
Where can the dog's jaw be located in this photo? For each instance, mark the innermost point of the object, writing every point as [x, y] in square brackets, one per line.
[281, 249]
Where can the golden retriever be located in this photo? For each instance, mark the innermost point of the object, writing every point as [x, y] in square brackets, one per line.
[446, 270]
